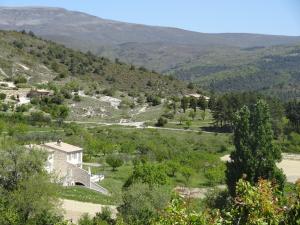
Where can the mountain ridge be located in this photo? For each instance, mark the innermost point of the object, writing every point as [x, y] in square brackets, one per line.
[190, 37]
[218, 62]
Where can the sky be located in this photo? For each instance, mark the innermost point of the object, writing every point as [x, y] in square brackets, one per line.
[281, 17]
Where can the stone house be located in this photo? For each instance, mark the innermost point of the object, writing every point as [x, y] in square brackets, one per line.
[65, 161]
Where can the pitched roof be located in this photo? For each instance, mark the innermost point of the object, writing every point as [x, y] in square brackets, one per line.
[64, 147]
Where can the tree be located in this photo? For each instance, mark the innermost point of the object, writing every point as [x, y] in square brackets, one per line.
[143, 148]
[191, 86]
[186, 173]
[193, 103]
[148, 173]
[27, 195]
[203, 115]
[92, 146]
[60, 112]
[255, 154]
[255, 205]
[114, 161]
[293, 215]
[161, 122]
[172, 167]
[184, 103]
[211, 102]
[181, 119]
[141, 203]
[2, 96]
[202, 103]
[293, 114]
[219, 113]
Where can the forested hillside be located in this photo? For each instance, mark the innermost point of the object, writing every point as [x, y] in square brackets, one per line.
[273, 71]
[39, 61]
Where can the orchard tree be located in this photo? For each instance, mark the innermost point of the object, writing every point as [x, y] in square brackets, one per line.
[114, 161]
[187, 174]
[148, 173]
[255, 155]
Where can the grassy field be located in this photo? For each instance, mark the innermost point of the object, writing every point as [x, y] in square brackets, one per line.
[84, 194]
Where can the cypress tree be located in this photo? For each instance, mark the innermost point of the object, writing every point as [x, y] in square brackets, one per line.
[255, 153]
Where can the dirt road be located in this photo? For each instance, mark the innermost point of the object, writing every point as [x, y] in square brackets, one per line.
[74, 209]
[290, 165]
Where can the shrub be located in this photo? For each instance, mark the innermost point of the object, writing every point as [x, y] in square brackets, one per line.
[76, 97]
[2, 96]
[109, 92]
[161, 122]
[20, 80]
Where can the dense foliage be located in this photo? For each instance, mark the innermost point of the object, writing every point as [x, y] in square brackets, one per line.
[255, 154]
[26, 194]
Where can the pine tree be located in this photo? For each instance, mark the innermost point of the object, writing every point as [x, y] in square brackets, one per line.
[255, 154]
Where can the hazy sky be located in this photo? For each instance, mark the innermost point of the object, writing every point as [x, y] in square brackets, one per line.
[250, 16]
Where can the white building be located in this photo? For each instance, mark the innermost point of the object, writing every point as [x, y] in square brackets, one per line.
[65, 161]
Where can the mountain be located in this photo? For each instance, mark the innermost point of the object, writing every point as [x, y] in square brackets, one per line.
[221, 62]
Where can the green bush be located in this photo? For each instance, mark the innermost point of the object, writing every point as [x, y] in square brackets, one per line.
[161, 122]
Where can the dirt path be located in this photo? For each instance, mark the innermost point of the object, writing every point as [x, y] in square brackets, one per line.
[74, 209]
[290, 167]
[138, 125]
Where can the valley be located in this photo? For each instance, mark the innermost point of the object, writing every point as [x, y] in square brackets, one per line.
[112, 123]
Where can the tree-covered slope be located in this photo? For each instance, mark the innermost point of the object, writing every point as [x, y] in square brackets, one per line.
[42, 61]
[273, 70]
